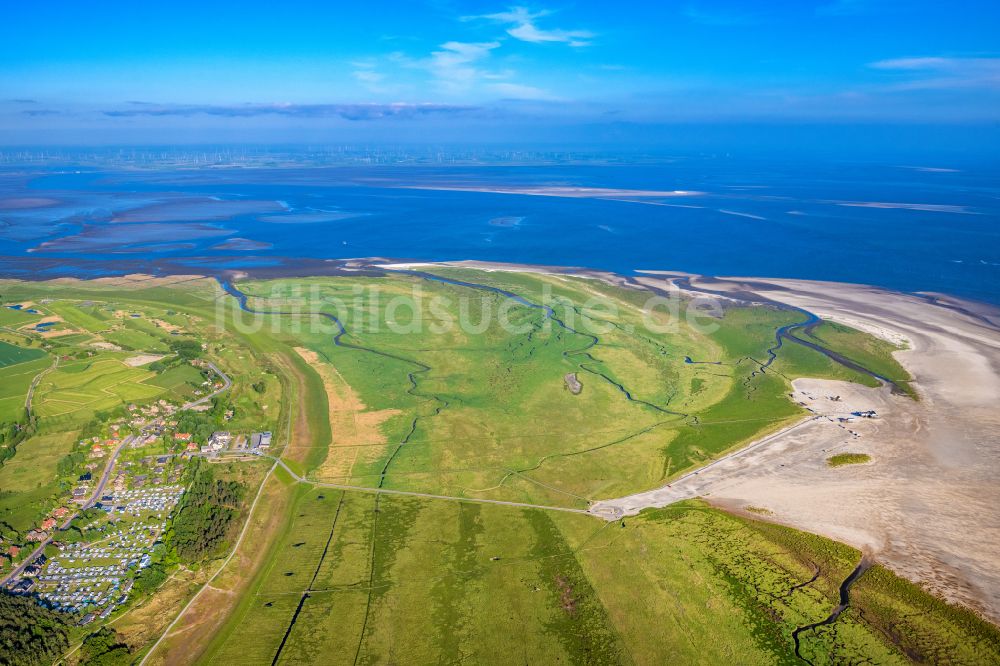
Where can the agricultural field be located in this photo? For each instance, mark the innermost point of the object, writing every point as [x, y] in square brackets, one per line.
[14, 383]
[14, 354]
[74, 391]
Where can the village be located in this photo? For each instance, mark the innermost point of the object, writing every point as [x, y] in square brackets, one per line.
[128, 481]
[94, 576]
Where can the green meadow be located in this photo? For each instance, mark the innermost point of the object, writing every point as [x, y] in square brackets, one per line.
[481, 412]
[29, 482]
[873, 353]
[14, 383]
[361, 578]
[484, 412]
[14, 354]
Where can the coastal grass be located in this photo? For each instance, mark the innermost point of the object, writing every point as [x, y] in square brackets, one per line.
[361, 578]
[344, 576]
[485, 413]
[871, 352]
[841, 459]
[921, 626]
[749, 584]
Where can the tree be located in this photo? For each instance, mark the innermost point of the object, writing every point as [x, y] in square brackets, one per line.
[29, 633]
[206, 514]
[104, 648]
[186, 348]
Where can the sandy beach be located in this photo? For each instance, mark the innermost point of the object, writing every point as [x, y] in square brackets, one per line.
[927, 504]
[556, 191]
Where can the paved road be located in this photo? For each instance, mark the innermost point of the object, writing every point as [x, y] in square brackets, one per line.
[99, 489]
[225, 387]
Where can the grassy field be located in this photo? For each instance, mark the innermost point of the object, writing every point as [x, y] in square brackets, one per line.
[14, 383]
[14, 354]
[17, 318]
[346, 576]
[359, 578]
[179, 380]
[484, 411]
[76, 390]
[873, 353]
[842, 459]
[29, 482]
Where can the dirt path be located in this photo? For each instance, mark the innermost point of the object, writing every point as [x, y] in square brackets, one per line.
[407, 493]
[34, 385]
[198, 601]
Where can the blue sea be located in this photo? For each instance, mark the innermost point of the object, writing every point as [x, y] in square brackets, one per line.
[906, 227]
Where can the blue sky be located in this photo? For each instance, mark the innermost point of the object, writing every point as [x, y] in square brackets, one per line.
[462, 71]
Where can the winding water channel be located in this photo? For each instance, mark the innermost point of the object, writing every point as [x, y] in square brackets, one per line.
[787, 332]
[580, 356]
[845, 602]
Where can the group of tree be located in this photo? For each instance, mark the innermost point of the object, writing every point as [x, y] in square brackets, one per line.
[186, 348]
[150, 578]
[104, 648]
[200, 424]
[29, 633]
[205, 516]
[70, 463]
[13, 433]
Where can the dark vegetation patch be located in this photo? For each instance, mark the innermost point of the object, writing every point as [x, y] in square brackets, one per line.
[205, 516]
[29, 633]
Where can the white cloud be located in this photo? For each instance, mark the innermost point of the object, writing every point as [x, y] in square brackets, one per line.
[519, 91]
[368, 76]
[453, 65]
[366, 73]
[940, 73]
[523, 27]
[912, 63]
